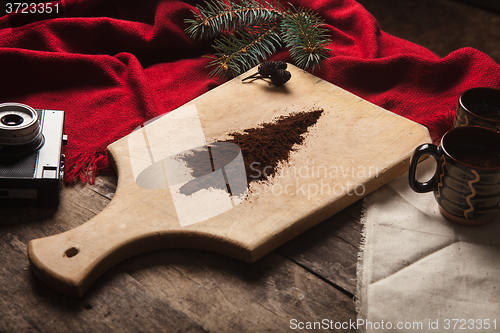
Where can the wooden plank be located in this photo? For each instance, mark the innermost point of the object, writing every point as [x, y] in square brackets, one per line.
[222, 294]
[174, 290]
[27, 304]
[329, 250]
[105, 185]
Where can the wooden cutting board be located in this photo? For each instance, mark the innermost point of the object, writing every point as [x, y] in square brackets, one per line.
[354, 148]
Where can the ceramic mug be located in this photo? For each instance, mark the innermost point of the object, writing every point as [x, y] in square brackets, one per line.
[479, 107]
[466, 182]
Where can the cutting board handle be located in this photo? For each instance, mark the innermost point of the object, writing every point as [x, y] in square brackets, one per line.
[71, 261]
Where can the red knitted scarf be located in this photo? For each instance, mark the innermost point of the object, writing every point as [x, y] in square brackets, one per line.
[111, 65]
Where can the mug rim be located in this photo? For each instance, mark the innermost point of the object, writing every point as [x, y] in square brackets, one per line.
[468, 128]
[466, 109]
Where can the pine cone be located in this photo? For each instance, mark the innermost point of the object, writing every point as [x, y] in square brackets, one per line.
[281, 65]
[280, 77]
[275, 70]
[268, 67]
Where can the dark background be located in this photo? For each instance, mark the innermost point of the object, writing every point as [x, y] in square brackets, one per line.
[442, 26]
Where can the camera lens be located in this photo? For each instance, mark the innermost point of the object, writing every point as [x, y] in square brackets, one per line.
[20, 130]
[12, 120]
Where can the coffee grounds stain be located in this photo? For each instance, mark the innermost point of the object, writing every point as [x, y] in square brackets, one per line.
[263, 149]
[270, 144]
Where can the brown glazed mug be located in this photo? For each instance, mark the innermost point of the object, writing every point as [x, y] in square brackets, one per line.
[479, 107]
[466, 183]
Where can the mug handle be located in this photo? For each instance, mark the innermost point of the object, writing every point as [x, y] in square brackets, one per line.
[425, 149]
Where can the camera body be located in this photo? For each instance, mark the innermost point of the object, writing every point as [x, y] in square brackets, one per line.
[31, 159]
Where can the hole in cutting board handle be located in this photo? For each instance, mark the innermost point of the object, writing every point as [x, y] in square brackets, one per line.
[71, 252]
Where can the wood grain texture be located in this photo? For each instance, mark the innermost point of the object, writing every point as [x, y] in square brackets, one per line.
[28, 305]
[171, 290]
[330, 250]
[354, 148]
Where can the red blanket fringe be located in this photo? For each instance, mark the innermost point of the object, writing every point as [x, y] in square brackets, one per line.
[85, 167]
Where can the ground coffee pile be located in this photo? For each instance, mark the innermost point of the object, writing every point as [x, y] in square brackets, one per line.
[263, 148]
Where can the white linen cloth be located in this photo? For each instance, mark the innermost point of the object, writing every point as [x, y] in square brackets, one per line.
[418, 272]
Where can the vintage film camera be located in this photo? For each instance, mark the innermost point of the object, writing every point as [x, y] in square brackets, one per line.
[31, 160]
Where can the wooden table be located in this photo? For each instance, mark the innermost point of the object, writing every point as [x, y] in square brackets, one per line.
[311, 278]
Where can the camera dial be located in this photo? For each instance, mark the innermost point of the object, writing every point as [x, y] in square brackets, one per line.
[20, 131]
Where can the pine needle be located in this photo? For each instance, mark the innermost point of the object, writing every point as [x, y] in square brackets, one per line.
[247, 32]
[241, 51]
[219, 18]
[306, 38]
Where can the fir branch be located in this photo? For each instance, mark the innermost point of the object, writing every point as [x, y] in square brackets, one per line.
[221, 18]
[238, 52]
[306, 38]
[248, 31]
